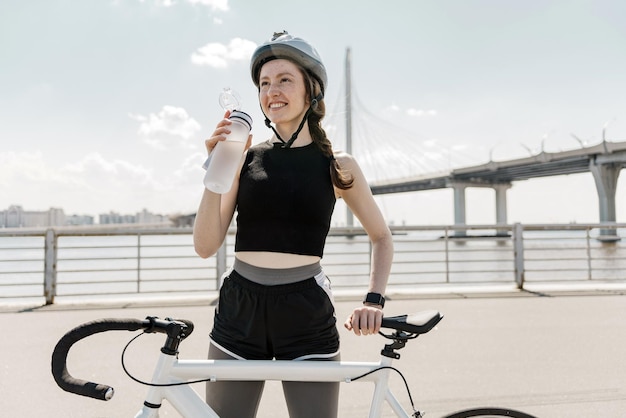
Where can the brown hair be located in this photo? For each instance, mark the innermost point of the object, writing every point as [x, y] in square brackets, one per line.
[341, 179]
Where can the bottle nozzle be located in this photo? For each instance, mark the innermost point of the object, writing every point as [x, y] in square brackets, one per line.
[229, 99]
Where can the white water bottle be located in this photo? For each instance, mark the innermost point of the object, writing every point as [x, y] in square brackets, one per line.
[226, 156]
[222, 164]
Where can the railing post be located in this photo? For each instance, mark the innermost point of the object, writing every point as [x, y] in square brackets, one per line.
[518, 250]
[50, 267]
[588, 242]
[220, 263]
[447, 252]
[138, 262]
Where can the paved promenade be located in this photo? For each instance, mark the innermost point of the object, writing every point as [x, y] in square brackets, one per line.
[552, 355]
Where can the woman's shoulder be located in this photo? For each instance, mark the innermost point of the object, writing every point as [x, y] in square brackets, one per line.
[344, 159]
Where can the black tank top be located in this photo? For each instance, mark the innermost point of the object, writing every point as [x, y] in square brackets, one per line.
[285, 200]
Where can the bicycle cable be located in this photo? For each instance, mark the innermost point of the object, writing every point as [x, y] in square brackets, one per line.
[406, 384]
[187, 382]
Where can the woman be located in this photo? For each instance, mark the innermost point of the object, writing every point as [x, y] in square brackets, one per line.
[276, 302]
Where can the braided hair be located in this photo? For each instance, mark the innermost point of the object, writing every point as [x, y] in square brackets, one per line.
[340, 178]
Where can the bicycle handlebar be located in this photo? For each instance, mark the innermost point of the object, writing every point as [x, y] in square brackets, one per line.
[177, 330]
[95, 390]
[417, 323]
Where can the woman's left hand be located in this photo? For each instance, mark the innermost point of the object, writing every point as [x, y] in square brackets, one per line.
[365, 320]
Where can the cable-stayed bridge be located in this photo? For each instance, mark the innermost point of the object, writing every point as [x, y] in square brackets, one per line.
[396, 161]
[604, 161]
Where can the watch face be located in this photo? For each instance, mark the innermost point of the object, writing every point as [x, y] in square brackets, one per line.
[375, 298]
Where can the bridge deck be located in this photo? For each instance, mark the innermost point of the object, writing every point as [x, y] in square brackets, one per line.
[541, 165]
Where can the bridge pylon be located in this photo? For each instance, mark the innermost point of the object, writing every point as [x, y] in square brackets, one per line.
[459, 203]
[605, 174]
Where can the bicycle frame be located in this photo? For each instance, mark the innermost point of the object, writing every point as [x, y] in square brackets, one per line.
[189, 404]
[172, 376]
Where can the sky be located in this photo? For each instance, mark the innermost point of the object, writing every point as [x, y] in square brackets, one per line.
[105, 104]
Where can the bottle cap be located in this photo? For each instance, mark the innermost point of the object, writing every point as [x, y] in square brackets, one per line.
[238, 114]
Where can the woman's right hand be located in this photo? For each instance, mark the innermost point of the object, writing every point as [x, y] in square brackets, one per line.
[221, 132]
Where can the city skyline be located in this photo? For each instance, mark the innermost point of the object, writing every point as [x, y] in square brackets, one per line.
[15, 216]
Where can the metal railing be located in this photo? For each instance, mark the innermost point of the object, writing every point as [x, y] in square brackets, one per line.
[94, 262]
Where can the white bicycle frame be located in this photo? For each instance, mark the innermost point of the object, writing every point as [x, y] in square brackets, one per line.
[189, 404]
[172, 377]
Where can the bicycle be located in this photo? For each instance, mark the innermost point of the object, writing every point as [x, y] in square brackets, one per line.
[172, 376]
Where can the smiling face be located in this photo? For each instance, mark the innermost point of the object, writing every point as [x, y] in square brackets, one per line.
[282, 93]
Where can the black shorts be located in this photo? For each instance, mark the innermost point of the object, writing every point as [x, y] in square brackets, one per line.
[294, 321]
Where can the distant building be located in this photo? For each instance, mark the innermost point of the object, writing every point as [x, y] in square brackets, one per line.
[75, 220]
[143, 217]
[115, 218]
[15, 217]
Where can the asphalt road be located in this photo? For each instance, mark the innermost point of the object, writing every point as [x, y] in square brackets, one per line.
[551, 355]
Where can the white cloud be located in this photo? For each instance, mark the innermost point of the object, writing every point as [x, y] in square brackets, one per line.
[218, 55]
[190, 167]
[221, 5]
[92, 182]
[95, 183]
[121, 185]
[165, 3]
[24, 165]
[393, 108]
[133, 186]
[421, 113]
[95, 170]
[171, 126]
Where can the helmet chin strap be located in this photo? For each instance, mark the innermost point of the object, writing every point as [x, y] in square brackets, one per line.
[289, 143]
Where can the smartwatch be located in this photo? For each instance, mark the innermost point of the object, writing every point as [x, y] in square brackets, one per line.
[375, 299]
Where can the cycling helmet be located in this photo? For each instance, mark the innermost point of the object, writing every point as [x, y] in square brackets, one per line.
[284, 46]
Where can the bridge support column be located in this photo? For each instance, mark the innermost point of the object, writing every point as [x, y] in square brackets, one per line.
[605, 176]
[460, 205]
[459, 208]
[501, 207]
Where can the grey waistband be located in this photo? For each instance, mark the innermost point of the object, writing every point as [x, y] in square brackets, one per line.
[272, 277]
